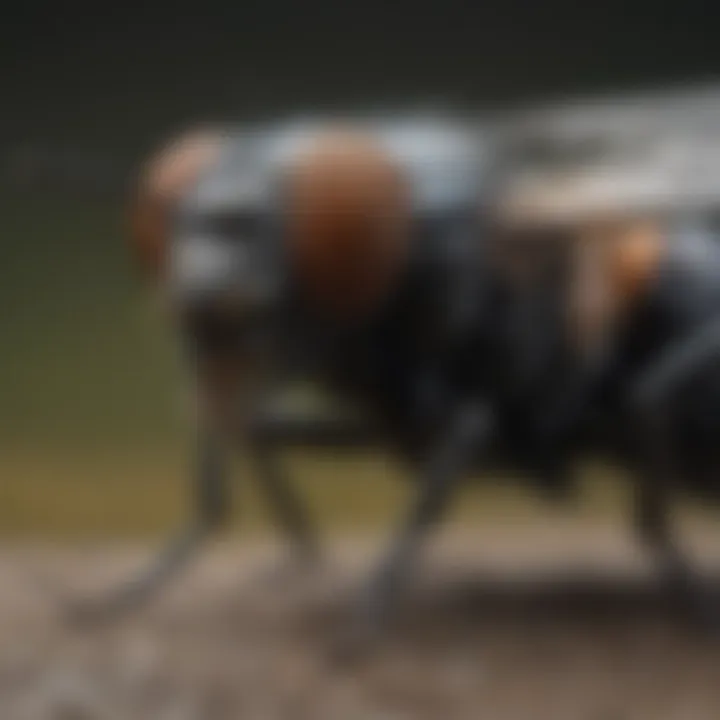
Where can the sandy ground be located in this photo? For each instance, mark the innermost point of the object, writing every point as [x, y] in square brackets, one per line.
[521, 623]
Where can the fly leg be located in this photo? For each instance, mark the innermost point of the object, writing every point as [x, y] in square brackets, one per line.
[469, 430]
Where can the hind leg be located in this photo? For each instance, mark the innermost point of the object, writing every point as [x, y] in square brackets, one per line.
[652, 405]
[682, 580]
[655, 491]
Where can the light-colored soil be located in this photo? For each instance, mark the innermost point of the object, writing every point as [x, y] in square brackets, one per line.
[507, 623]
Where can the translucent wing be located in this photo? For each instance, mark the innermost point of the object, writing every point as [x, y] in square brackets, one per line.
[654, 152]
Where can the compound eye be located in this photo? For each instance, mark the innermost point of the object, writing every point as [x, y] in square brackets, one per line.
[162, 182]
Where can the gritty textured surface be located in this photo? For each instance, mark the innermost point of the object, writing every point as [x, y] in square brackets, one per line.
[561, 622]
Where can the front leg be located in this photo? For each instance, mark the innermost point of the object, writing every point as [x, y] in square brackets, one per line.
[272, 430]
[287, 508]
[216, 380]
[210, 510]
[452, 455]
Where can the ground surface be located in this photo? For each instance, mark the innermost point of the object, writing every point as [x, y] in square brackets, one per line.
[518, 622]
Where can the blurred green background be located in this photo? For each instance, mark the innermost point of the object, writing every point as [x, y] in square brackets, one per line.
[91, 408]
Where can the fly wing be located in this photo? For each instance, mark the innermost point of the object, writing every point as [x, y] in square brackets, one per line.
[650, 152]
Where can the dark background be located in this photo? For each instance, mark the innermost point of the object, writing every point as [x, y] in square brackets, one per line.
[88, 380]
[116, 75]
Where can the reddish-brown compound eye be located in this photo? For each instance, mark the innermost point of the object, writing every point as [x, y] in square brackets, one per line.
[163, 180]
[348, 222]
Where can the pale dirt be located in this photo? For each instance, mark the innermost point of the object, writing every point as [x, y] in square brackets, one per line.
[526, 622]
